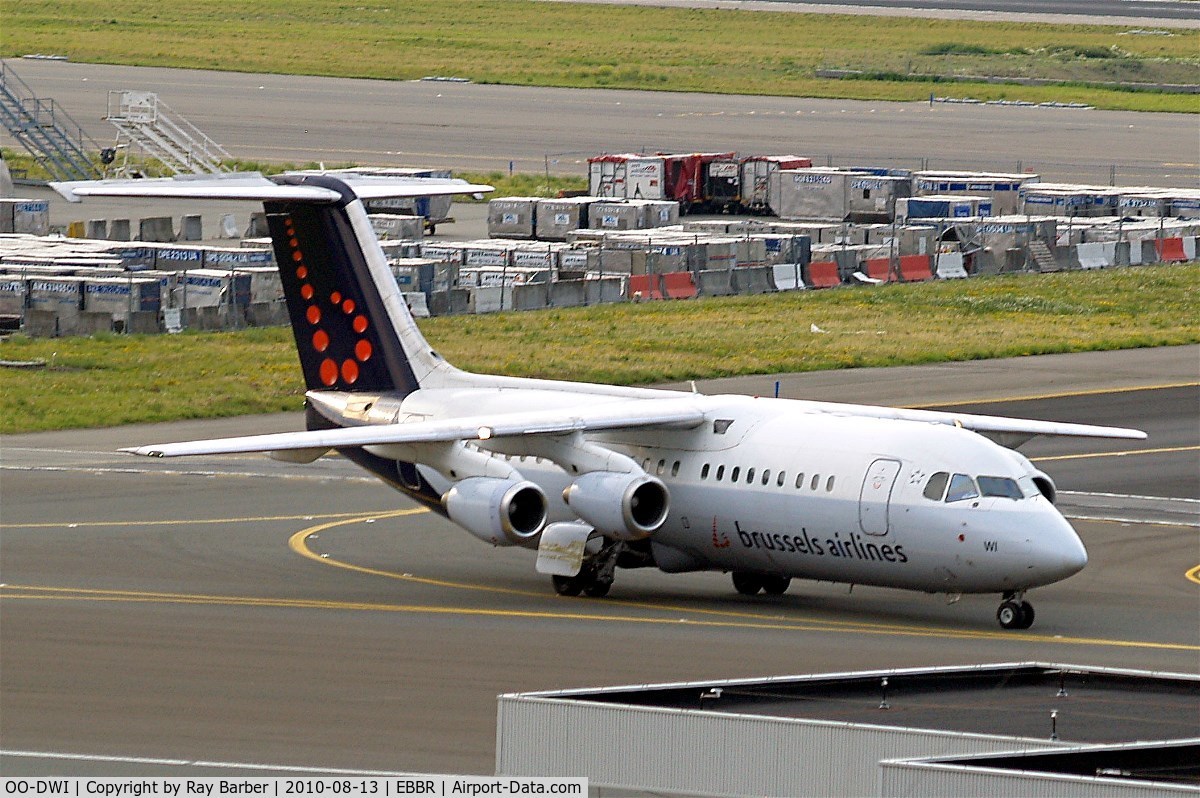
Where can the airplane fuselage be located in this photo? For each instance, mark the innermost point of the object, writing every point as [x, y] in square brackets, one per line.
[771, 487]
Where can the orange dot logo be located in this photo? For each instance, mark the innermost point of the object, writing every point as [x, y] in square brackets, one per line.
[302, 272]
[348, 306]
[296, 256]
[329, 371]
[314, 314]
[363, 350]
[360, 324]
[335, 298]
[320, 340]
[350, 371]
[294, 243]
[306, 291]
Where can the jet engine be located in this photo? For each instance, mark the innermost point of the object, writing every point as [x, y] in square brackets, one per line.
[1045, 485]
[503, 512]
[624, 506]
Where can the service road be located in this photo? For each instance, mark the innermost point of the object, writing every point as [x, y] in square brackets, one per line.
[239, 610]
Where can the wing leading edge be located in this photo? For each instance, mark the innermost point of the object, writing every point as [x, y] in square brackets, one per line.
[998, 425]
[617, 415]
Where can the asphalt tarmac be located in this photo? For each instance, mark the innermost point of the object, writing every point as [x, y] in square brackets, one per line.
[465, 126]
[199, 616]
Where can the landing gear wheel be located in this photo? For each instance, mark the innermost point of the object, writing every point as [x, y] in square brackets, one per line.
[776, 585]
[567, 585]
[1011, 615]
[747, 584]
[597, 589]
[1027, 615]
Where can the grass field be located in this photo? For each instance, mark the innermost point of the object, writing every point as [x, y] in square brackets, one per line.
[124, 379]
[568, 44]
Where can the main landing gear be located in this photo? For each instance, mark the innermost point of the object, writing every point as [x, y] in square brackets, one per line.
[595, 578]
[749, 584]
[1015, 612]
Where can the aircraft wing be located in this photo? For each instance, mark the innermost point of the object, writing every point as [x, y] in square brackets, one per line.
[995, 425]
[637, 413]
[255, 186]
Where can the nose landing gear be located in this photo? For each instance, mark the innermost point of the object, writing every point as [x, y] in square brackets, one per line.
[1015, 612]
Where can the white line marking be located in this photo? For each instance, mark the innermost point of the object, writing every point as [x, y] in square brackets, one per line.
[140, 760]
[187, 473]
[1127, 496]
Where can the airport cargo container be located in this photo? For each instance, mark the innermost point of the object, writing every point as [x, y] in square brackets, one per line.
[210, 288]
[425, 276]
[822, 193]
[236, 258]
[942, 206]
[485, 253]
[1003, 189]
[434, 210]
[872, 198]
[489, 276]
[663, 176]
[755, 179]
[14, 295]
[579, 259]
[120, 296]
[557, 217]
[1145, 203]
[723, 185]
[536, 256]
[173, 257]
[1186, 206]
[443, 252]
[397, 226]
[616, 215]
[512, 217]
[659, 213]
[62, 296]
[784, 247]
[607, 175]
[19, 215]
[1058, 199]
[32, 266]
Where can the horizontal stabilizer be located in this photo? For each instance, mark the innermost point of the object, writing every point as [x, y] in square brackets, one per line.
[636, 413]
[255, 186]
[981, 424]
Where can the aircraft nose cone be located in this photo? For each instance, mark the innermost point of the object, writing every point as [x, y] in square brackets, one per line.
[1074, 555]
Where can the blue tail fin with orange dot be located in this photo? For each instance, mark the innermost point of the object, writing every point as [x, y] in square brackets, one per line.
[341, 298]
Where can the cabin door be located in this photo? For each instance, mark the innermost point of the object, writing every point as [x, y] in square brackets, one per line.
[875, 495]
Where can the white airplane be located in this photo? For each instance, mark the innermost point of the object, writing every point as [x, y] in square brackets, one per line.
[599, 477]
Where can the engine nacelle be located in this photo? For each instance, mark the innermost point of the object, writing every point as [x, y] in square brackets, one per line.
[503, 512]
[1046, 485]
[624, 506]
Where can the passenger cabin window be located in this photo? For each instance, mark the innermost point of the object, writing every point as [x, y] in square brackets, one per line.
[961, 487]
[661, 465]
[829, 485]
[733, 475]
[766, 477]
[704, 471]
[800, 480]
[935, 488]
[816, 480]
[749, 476]
[675, 469]
[782, 478]
[1002, 487]
[720, 473]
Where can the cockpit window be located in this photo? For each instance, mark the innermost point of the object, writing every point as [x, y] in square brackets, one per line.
[936, 486]
[1003, 487]
[961, 487]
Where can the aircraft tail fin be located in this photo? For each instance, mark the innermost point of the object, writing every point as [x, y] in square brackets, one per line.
[347, 313]
[353, 330]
